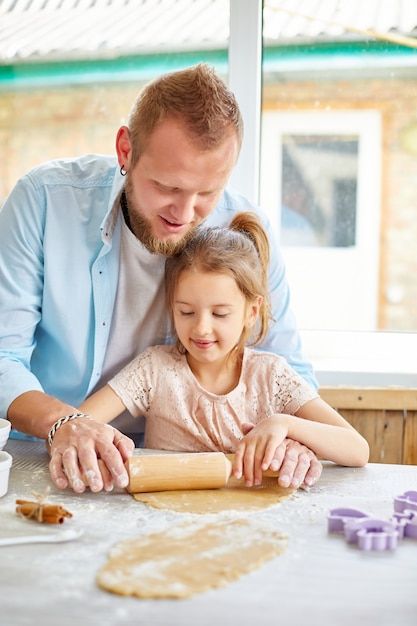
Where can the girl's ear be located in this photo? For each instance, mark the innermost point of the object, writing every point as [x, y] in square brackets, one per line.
[253, 311]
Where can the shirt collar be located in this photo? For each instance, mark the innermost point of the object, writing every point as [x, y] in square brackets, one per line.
[110, 219]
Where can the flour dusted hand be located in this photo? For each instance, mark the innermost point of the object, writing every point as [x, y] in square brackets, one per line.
[88, 453]
[266, 446]
[297, 465]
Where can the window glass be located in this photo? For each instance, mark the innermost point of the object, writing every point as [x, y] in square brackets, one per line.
[70, 70]
[342, 198]
[319, 183]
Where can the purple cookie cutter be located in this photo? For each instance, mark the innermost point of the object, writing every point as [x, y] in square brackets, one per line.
[367, 532]
[407, 523]
[371, 533]
[338, 518]
[407, 501]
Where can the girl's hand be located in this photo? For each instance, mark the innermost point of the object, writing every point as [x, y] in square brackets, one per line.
[256, 452]
[296, 463]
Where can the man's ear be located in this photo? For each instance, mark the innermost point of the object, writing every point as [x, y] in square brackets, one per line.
[123, 147]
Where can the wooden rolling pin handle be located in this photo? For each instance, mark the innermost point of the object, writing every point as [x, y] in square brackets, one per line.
[171, 472]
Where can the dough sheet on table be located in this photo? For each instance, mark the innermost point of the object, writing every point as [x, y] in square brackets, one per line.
[234, 497]
[190, 558]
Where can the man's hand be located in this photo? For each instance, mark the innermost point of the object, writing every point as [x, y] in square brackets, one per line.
[89, 453]
[296, 463]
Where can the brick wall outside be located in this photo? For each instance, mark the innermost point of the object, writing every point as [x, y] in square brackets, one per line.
[37, 125]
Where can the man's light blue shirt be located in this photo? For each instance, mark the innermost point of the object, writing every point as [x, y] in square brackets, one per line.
[59, 262]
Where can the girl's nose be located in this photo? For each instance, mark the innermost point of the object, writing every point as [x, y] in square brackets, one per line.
[202, 325]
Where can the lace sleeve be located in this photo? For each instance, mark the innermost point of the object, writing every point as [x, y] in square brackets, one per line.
[290, 390]
[136, 382]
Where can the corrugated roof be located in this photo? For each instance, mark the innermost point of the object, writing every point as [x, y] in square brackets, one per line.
[304, 20]
[33, 30]
[71, 29]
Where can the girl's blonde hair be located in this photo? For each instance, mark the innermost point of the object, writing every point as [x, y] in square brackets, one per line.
[241, 251]
[198, 98]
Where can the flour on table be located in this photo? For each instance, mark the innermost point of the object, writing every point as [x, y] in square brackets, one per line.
[190, 558]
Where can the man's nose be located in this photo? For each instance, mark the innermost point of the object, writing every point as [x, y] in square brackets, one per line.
[185, 208]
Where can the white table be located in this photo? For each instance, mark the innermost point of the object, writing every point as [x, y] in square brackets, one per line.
[319, 580]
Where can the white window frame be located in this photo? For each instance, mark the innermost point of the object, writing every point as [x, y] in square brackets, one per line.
[346, 358]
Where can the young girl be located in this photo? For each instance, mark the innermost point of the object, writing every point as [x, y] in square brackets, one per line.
[211, 392]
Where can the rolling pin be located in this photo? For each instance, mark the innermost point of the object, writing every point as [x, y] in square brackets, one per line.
[171, 472]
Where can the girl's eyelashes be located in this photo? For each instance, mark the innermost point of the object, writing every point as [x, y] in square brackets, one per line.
[189, 313]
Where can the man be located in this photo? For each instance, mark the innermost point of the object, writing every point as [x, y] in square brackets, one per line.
[83, 244]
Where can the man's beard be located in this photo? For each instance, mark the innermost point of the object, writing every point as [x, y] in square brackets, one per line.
[141, 228]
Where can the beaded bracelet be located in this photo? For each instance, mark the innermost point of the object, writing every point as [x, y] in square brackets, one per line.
[64, 420]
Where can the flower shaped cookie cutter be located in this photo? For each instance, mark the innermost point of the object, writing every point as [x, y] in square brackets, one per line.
[372, 534]
[407, 501]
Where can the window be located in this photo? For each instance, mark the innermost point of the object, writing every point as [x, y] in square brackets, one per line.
[320, 184]
[70, 70]
[305, 72]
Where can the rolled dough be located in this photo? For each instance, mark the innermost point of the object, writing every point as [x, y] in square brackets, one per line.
[190, 558]
[234, 497]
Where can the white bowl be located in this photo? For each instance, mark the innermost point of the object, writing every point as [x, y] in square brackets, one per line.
[5, 465]
[5, 427]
